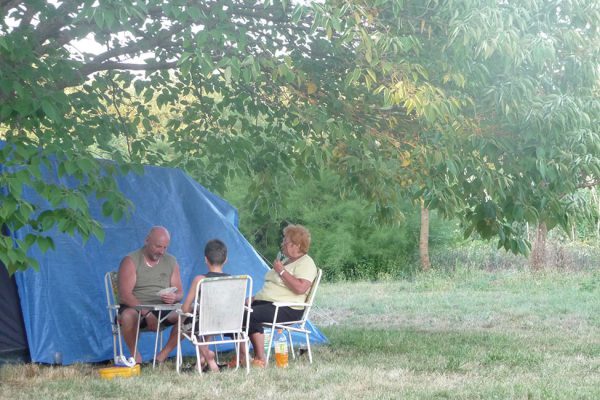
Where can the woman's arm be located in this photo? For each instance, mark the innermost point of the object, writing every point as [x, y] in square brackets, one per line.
[296, 285]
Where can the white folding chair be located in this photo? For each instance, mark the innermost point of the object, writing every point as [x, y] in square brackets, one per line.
[112, 300]
[295, 326]
[218, 310]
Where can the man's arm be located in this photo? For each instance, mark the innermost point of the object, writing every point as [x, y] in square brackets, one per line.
[171, 298]
[127, 278]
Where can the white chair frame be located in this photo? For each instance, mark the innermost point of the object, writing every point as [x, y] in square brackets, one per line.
[113, 315]
[295, 326]
[110, 279]
[218, 310]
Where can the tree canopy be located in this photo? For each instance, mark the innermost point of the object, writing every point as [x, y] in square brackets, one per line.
[487, 110]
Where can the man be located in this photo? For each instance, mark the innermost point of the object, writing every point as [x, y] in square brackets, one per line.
[142, 274]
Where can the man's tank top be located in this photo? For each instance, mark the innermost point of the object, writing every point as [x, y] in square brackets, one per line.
[149, 280]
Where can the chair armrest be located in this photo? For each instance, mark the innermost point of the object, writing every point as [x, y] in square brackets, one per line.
[284, 304]
[158, 307]
[184, 314]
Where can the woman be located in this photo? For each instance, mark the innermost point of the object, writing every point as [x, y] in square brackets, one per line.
[288, 281]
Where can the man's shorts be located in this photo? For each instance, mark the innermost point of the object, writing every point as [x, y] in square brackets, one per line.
[143, 323]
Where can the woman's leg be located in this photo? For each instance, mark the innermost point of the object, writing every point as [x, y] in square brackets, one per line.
[264, 311]
[258, 344]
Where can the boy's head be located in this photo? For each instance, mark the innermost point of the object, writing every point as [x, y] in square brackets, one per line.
[215, 252]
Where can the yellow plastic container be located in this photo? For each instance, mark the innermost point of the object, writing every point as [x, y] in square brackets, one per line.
[119, 372]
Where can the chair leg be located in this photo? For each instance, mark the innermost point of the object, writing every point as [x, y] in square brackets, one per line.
[178, 358]
[308, 348]
[119, 339]
[268, 356]
[158, 333]
[198, 361]
[247, 354]
[115, 348]
[237, 351]
[137, 335]
[291, 344]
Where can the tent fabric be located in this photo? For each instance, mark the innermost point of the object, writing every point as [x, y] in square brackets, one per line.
[13, 341]
[64, 304]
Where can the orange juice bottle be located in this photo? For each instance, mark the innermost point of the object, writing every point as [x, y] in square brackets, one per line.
[281, 350]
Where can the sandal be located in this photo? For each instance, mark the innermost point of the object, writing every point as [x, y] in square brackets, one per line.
[258, 363]
[233, 364]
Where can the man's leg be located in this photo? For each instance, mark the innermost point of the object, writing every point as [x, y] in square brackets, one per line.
[129, 325]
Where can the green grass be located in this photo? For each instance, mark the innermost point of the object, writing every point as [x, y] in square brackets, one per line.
[465, 335]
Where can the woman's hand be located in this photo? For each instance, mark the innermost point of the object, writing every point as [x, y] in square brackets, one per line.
[278, 266]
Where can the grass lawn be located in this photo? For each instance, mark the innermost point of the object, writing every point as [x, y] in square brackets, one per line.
[468, 335]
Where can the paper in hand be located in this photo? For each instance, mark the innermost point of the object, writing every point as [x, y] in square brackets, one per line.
[168, 290]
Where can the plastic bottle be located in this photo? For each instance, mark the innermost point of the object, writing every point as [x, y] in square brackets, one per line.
[281, 350]
[267, 332]
[58, 358]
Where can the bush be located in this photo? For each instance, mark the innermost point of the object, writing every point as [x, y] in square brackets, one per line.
[349, 244]
[348, 241]
[560, 254]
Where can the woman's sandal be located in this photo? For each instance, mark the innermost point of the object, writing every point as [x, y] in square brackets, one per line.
[258, 363]
[233, 363]
[255, 363]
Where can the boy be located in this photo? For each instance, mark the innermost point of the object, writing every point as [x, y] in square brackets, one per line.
[215, 256]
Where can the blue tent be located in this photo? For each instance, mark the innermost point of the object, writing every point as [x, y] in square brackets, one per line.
[63, 304]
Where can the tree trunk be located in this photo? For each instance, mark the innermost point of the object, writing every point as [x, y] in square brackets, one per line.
[424, 238]
[538, 254]
[597, 200]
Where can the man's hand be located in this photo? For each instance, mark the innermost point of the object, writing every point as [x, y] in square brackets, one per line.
[169, 298]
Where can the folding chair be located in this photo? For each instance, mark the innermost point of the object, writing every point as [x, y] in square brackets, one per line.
[218, 310]
[295, 326]
[112, 300]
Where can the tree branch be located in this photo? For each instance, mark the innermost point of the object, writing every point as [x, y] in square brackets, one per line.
[140, 46]
[115, 65]
[52, 29]
[28, 14]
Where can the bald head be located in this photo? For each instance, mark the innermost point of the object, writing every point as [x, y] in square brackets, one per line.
[159, 231]
[156, 243]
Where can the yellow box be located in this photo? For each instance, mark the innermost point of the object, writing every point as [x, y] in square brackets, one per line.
[119, 372]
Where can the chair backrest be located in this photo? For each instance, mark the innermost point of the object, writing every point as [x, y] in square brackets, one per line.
[111, 285]
[220, 303]
[310, 296]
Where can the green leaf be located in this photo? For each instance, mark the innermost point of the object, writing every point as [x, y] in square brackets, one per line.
[45, 243]
[50, 110]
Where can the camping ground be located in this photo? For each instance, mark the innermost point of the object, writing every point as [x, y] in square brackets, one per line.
[469, 334]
